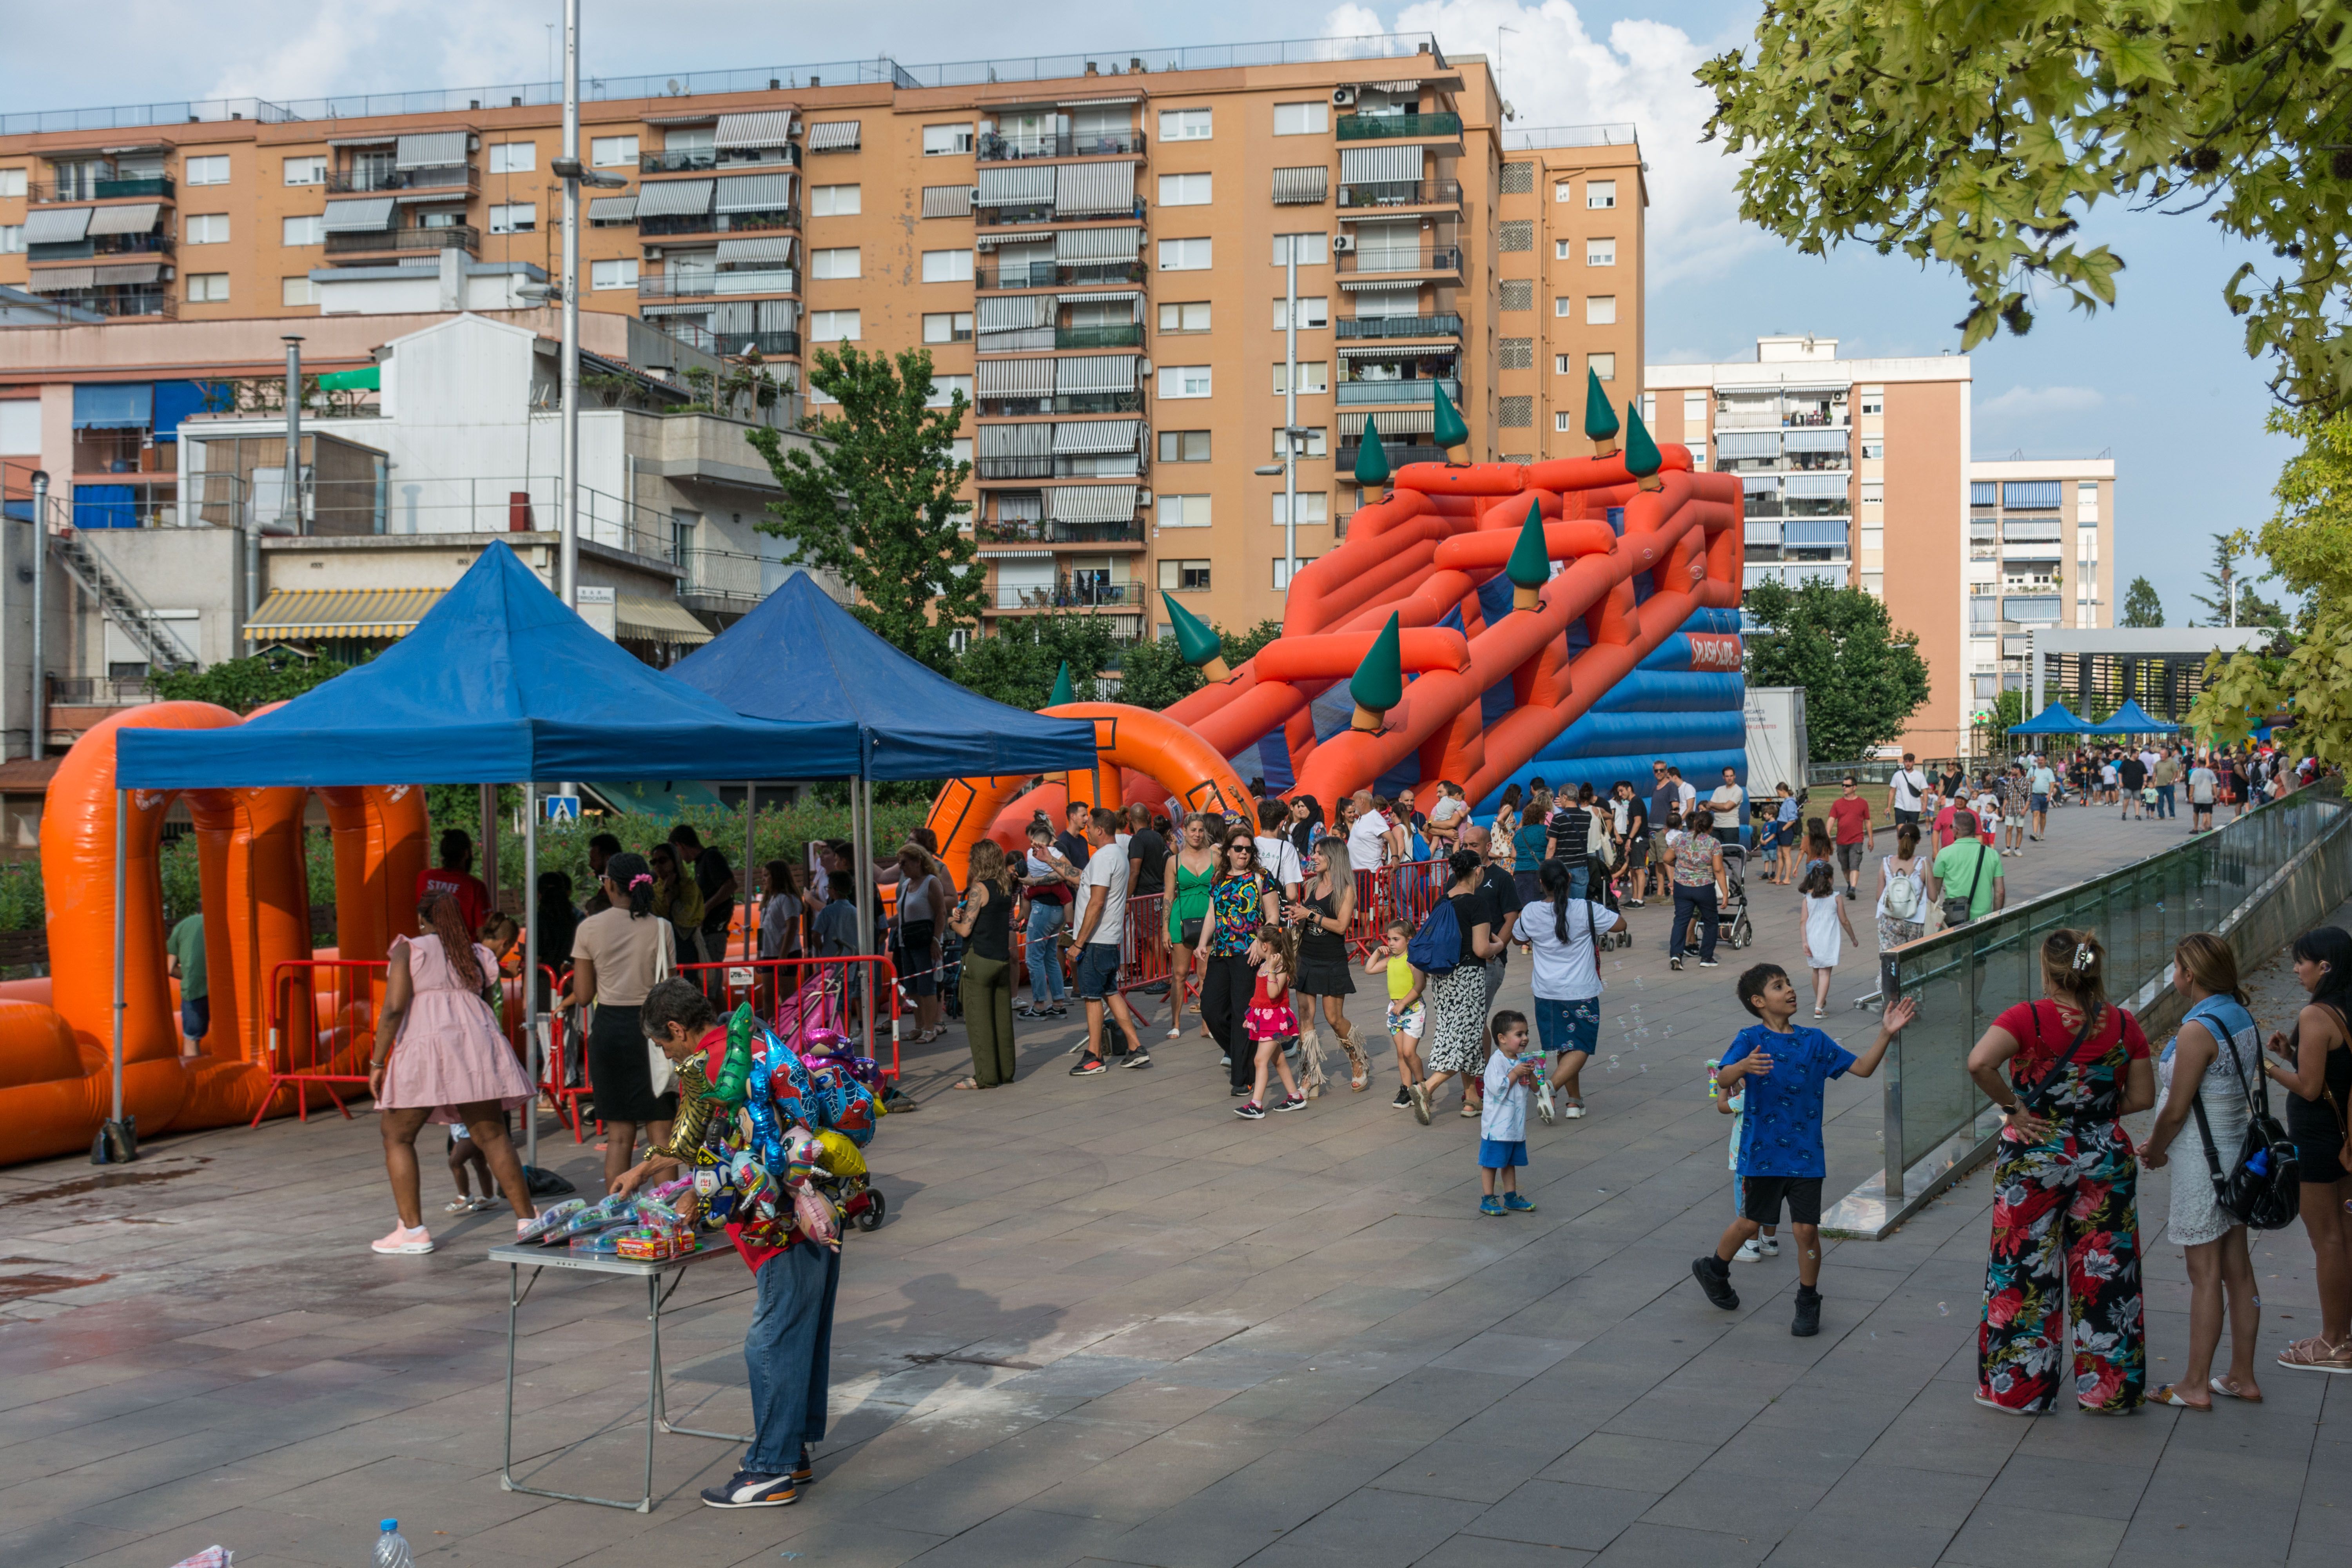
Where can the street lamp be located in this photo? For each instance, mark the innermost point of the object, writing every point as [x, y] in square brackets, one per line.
[568, 169]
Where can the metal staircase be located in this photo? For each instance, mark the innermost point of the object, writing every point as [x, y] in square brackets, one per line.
[120, 602]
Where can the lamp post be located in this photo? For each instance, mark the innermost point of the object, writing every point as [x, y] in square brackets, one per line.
[568, 166]
[40, 722]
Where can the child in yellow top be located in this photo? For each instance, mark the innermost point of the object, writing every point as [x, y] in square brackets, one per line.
[1405, 1022]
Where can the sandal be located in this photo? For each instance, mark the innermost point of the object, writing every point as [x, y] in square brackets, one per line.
[458, 1206]
[2316, 1354]
[2227, 1390]
[2170, 1394]
[965, 1083]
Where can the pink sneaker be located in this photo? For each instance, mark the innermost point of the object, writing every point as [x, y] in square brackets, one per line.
[403, 1240]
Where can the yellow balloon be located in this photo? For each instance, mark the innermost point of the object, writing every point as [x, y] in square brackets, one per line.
[842, 1157]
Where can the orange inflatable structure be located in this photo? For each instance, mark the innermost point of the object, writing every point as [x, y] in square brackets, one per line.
[57, 1036]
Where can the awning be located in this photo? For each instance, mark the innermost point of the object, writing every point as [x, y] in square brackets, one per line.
[1813, 440]
[754, 193]
[1026, 236]
[126, 272]
[1393, 88]
[1013, 378]
[1011, 312]
[1099, 244]
[1094, 436]
[1747, 443]
[675, 198]
[759, 128]
[1404, 421]
[1399, 351]
[1815, 487]
[832, 136]
[340, 613]
[1017, 187]
[1379, 165]
[1083, 188]
[1090, 103]
[1380, 285]
[643, 620]
[612, 209]
[1302, 187]
[947, 201]
[1091, 503]
[139, 217]
[360, 216]
[58, 279]
[1760, 484]
[1013, 554]
[57, 225]
[1032, 440]
[431, 150]
[774, 248]
[382, 139]
[1095, 373]
[1103, 297]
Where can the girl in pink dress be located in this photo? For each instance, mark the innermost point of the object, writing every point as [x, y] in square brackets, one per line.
[439, 1056]
[1273, 1026]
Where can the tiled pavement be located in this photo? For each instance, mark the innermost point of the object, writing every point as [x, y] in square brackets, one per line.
[1108, 1323]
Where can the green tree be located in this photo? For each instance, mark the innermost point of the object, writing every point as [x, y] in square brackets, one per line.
[2141, 606]
[242, 685]
[1017, 666]
[875, 502]
[1154, 674]
[1862, 679]
[1983, 135]
[2233, 602]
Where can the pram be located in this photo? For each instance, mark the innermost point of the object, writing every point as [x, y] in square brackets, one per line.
[1605, 883]
[1731, 920]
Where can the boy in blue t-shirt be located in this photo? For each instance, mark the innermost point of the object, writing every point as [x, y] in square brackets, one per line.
[1783, 1070]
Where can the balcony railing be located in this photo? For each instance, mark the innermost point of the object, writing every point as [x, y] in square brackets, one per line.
[1386, 127]
[719, 222]
[1063, 402]
[1126, 336]
[121, 301]
[1444, 326]
[1080, 593]
[1401, 193]
[1044, 533]
[1396, 454]
[369, 177]
[1068, 465]
[1052, 275]
[999, 148]
[1393, 393]
[450, 237]
[1440, 258]
[684, 285]
[683, 161]
[104, 187]
[102, 244]
[1031, 213]
[734, 345]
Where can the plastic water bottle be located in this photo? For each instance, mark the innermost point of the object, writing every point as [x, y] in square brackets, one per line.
[392, 1547]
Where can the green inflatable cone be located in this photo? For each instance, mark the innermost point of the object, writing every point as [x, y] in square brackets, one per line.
[1451, 431]
[1378, 684]
[1600, 420]
[1643, 459]
[1372, 460]
[1530, 567]
[1063, 690]
[1195, 643]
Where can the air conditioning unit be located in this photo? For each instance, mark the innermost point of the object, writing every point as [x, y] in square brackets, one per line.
[1143, 498]
[1343, 97]
[1342, 243]
[1143, 367]
[976, 195]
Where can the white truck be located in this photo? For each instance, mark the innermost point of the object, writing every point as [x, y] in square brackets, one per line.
[1776, 748]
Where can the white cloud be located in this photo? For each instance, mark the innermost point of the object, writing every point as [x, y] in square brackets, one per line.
[373, 46]
[2020, 402]
[1555, 73]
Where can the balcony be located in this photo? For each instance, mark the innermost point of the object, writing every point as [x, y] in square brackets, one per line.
[104, 187]
[100, 244]
[383, 241]
[1394, 127]
[1087, 591]
[703, 160]
[1127, 336]
[1442, 261]
[735, 345]
[1063, 402]
[121, 301]
[1067, 466]
[719, 222]
[1397, 394]
[995, 148]
[1030, 214]
[1039, 532]
[371, 178]
[1058, 275]
[1397, 453]
[1445, 326]
[689, 285]
[1401, 193]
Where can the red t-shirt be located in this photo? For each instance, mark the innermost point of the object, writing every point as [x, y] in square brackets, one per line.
[473, 898]
[1852, 819]
[1947, 828]
[713, 1045]
[2042, 1029]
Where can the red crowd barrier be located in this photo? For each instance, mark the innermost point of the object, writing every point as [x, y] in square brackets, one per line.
[311, 1032]
[787, 991]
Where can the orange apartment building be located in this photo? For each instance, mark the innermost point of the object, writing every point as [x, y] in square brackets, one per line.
[1091, 248]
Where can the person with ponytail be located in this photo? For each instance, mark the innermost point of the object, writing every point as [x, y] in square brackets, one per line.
[2065, 1215]
[2314, 1066]
[617, 956]
[1563, 933]
[440, 1057]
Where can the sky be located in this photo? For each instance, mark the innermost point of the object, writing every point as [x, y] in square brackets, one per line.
[2161, 381]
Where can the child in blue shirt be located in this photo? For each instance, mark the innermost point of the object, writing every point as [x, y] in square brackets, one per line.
[1782, 1071]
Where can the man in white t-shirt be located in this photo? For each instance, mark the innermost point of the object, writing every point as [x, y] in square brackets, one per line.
[2204, 784]
[1684, 790]
[1367, 835]
[1907, 787]
[2040, 785]
[1727, 803]
[1277, 857]
[1102, 926]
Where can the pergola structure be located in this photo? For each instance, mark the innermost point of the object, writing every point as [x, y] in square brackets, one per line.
[2112, 663]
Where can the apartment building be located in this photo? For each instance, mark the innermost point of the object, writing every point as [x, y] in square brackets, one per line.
[2040, 532]
[1093, 249]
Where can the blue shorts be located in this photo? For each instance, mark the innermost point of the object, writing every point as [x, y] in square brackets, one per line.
[1494, 1156]
[2038, 803]
[1097, 970]
[1567, 1026]
[195, 1016]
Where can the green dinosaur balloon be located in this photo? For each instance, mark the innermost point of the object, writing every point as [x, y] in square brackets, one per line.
[1451, 431]
[735, 1072]
[1600, 419]
[1372, 459]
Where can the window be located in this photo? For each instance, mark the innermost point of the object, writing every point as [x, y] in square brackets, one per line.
[1518, 180]
[1184, 446]
[1563, 422]
[207, 288]
[612, 151]
[618, 274]
[1515, 353]
[1184, 576]
[12, 181]
[1313, 249]
[1873, 400]
[513, 157]
[211, 171]
[841, 262]
[1695, 411]
[1599, 193]
[1282, 568]
[1188, 317]
[1602, 366]
[1313, 377]
[1184, 255]
[1183, 511]
[1649, 408]
[1873, 450]
[205, 228]
[829, 327]
[520, 217]
[311, 169]
[1564, 192]
[947, 326]
[1563, 305]
[2086, 493]
[833, 201]
[1516, 294]
[12, 239]
[1559, 364]
[1560, 250]
[1518, 235]
[1600, 253]
[959, 449]
[942, 140]
[298, 290]
[1312, 443]
[1184, 125]
[1314, 509]
[1183, 190]
[940, 265]
[1184, 381]
[1601, 310]
[1311, 119]
[308, 230]
[1314, 312]
[1515, 412]
[1873, 492]
[944, 389]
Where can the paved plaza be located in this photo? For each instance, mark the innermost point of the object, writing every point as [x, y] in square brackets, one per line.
[1110, 1324]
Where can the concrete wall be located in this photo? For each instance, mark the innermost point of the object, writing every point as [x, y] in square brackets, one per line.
[1926, 545]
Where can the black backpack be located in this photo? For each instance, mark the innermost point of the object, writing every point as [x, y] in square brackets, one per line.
[2263, 1188]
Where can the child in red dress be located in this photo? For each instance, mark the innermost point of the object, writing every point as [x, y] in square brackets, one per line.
[1273, 1026]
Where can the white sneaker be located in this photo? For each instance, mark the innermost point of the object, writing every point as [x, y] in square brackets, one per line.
[1768, 1245]
[1225, 1061]
[1748, 1252]
[1544, 1105]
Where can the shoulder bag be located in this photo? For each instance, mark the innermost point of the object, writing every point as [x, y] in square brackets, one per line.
[1957, 911]
[2263, 1187]
[658, 1068]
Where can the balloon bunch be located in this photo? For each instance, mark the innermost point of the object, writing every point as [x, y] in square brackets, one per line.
[809, 1115]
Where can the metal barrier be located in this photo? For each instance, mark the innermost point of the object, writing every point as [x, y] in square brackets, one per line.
[306, 1030]
[794, 993]
[1405, 891]
[2255, 881]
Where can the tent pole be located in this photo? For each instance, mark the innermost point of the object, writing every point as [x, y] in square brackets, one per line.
[861, 828]
[489, 859]
[751, 815]
[530, 972]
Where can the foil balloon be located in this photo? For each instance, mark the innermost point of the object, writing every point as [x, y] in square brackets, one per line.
[841, 1156]
[814, 1215]
[735, 1070]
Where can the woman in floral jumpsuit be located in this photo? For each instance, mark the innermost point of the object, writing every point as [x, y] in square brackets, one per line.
[2065, 1220]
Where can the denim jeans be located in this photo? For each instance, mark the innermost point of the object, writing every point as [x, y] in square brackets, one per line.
[1046, 953]
[2168, 800]
[1689, 903]
[1567, 1026]
[789, 1352]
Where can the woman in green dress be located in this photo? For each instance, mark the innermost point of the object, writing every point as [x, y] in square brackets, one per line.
[1193, 868]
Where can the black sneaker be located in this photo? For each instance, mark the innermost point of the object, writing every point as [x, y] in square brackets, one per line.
[1403, 1101]
[1714, 1277]
[1031, 1012]
[1292, 1102]
[1707, 963]
[1240, 1090]
[748, 1488]
[1808, 1320]
[1157, 988]
[1091, 1067]
[1140, 1059]
[806, 1471]
[1250, 1110]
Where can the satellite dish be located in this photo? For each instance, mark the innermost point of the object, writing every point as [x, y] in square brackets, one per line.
[673, 86]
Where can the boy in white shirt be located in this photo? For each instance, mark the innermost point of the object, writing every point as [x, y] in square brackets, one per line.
[1503, 1122]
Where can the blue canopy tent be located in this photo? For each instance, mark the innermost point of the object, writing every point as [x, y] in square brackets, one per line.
[2056, 719]
[2131, 719]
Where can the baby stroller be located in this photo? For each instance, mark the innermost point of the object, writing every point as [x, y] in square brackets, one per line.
[1731, 920]
[1604, 886]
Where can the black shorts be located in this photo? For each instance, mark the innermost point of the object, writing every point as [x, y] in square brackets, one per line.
[2319, 1159]
[1903, 816]
[1760, 1199]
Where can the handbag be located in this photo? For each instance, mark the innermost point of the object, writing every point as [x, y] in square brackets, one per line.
[658, 1070]
[1957, 911]
[2263, 1188]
